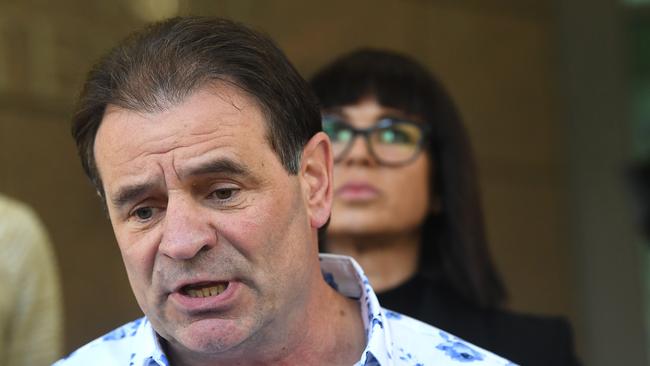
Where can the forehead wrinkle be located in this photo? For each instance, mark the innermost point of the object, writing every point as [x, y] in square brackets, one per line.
[172, 165]
[213, 140]
[162, 146]
[174, 138]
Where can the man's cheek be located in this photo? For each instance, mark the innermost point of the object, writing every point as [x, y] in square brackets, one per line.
[139, 276]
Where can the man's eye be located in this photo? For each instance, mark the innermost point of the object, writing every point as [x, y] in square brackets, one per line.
[223, 193]
[144, 213]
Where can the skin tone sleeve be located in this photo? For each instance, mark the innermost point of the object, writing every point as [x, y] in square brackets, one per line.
[32, 316]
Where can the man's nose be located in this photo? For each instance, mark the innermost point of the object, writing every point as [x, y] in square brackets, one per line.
[359, 153]
[187, 230]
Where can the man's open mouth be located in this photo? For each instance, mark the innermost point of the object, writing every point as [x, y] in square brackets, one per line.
[204, 289]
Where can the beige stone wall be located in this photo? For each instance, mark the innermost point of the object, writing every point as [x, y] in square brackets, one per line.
[496, 59]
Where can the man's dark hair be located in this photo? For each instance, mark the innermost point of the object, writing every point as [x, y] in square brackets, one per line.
[159, 67]
[454, 244]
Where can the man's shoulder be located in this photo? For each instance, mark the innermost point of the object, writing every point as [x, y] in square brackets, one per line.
[121, 346]
[418, 343]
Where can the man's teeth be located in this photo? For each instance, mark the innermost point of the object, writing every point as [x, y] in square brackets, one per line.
[206, 291]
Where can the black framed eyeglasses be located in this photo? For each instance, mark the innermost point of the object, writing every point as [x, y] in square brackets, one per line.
[391, 141]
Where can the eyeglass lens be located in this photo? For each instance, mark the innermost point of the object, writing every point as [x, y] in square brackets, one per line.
[391, 141]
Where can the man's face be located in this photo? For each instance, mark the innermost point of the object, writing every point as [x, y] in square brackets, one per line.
[212, 229]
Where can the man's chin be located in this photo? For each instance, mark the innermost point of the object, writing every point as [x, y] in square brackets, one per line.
[208, 337]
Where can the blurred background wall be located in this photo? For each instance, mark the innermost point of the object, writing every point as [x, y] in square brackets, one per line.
[543, 86]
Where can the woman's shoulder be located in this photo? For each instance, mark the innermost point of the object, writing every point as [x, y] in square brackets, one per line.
[546, 339]
[499, 326]
[523, 338]
[542, 328]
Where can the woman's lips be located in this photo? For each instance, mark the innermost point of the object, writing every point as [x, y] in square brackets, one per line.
[357, 192]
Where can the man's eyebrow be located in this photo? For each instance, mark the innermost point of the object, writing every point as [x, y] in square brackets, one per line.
[130, 193]
[218, 166]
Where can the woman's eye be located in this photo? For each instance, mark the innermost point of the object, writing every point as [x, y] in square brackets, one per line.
[393, 136]
[336, 130]
[144, 213]
[343, 135]
[339, 134]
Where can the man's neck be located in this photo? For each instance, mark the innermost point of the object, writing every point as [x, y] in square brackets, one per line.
[338, 337]
[387, 260]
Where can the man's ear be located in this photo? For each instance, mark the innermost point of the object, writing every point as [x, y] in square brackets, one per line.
[316, 178]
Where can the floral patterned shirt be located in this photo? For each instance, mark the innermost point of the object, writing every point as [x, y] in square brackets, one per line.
[393, 338]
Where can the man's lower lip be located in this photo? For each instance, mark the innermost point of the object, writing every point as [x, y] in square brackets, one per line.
[208, 303]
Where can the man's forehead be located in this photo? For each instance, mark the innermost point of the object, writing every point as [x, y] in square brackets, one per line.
[219, 117]
[214, 106]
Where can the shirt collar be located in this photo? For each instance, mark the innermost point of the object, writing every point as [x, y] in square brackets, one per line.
[345, 275]
[147, 348]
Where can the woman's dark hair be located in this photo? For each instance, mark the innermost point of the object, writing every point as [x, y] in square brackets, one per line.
[637, 178]
[454, 244]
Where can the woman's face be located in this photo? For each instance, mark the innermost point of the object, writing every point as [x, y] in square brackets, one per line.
[370, 198]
